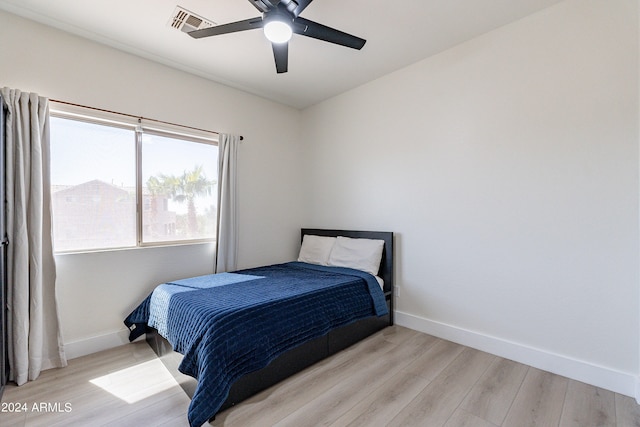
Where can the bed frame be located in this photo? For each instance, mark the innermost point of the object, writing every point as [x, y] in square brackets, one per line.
[305, 355]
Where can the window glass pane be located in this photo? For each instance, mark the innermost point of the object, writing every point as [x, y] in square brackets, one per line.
[179, 193]
[93, 185]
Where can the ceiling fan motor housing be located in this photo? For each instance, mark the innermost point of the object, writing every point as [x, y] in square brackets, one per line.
[265, 5]
[286, 13]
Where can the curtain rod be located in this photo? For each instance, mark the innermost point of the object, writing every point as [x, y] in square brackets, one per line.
[135, 117]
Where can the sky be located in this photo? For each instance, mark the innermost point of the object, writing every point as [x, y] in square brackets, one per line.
[81, 152]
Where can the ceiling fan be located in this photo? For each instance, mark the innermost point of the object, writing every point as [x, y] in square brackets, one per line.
[280, 19]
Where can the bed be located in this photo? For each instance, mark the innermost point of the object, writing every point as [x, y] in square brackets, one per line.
[239, 333]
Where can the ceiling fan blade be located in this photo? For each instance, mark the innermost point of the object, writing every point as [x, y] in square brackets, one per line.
[233, 27]
[309, 28]
[302, 5]
[264, 5]
[281, 56]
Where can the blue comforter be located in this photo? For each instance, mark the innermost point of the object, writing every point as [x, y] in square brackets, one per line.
[227, 325]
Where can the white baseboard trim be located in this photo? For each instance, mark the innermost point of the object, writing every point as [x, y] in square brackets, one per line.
[599, 376]
[95, 344]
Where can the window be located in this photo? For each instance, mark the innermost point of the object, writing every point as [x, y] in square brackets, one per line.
[103, 169]
[178, 189]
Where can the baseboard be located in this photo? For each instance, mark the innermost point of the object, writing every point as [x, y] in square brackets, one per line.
[599, 376]
[95, 344]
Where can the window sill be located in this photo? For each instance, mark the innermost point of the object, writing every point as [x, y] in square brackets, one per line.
[136, 248]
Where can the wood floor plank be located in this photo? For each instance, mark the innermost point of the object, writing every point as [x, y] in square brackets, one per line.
[176, 421]
[87, 400]
[330, 405]
[276, 403]
[539, 401]
[104, 406]
[435, 359]
[434, 405]
[397, 335]
[83, 408]
[627, 411]
[425, 382]
[461, 418]
[13, 417]
[154, 414]
[385, 402]
[586, 405]
[82, 370]
[491, 398]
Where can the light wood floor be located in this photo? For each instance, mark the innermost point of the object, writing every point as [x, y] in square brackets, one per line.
[397, 377]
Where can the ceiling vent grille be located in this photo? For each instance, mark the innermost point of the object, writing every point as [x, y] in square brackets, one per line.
[186, 21]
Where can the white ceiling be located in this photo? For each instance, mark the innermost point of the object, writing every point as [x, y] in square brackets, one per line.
[398, 33]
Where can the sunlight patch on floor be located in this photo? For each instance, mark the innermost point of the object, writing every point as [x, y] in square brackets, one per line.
[138, 382]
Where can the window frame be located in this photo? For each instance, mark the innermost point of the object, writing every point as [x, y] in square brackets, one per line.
[139, 126]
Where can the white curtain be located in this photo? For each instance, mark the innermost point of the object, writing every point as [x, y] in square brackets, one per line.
[35, 341]
[227, 230]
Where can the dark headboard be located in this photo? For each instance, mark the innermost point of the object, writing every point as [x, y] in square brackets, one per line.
[386, 264]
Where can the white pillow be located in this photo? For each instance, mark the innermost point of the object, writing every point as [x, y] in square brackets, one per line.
[361, 254]
[316, 249]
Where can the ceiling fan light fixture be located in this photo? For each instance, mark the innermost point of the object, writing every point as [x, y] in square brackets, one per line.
[277, 31]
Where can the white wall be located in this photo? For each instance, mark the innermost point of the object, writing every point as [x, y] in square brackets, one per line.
[97, 290]
[508, 167]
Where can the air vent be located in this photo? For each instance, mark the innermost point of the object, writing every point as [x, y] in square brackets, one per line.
[186, 21]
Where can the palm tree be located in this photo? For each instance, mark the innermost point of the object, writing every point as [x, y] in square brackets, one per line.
[192, 184]
[184, 188]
